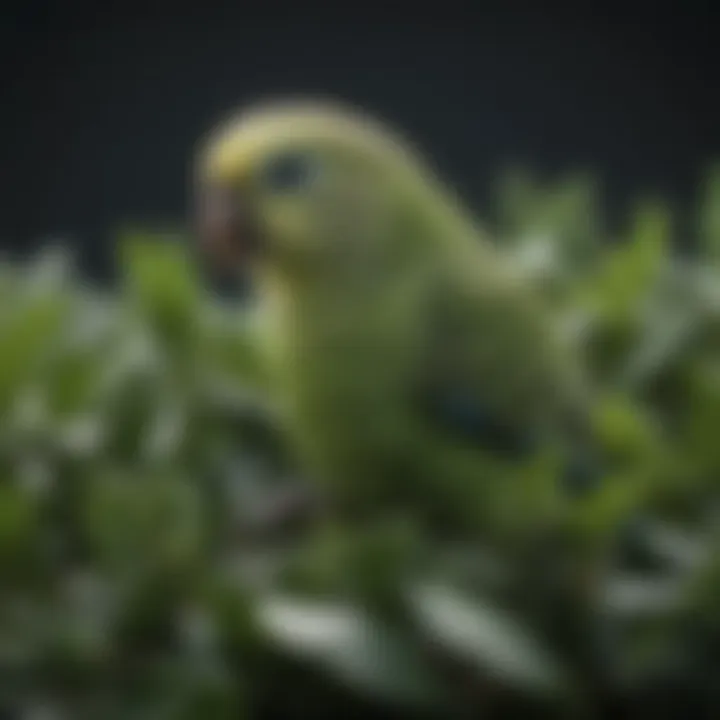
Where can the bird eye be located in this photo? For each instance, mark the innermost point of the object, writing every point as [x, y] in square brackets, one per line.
[289, 173]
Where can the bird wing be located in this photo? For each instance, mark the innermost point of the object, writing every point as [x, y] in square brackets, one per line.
[495, 377]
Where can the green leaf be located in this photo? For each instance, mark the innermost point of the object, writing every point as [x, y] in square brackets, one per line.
[151, 522]
[699, 436]
[571, 214]
[19, 520]
[629, 271]
[709, 215]
[601, 516]
[642, 596]
[165, 286]
[623, 427]
[231, 348]
[684, 551]
[355, 647]
[516, 202]
[491, 639]
[29, 330]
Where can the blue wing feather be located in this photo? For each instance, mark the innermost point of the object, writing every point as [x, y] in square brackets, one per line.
[464, 417]
[460, 414]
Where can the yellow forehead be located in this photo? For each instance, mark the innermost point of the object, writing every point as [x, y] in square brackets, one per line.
[231, 154]
[234, 149]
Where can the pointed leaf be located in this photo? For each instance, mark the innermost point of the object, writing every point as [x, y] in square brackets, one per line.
[485, 636]
[641, 596]
[355, 647]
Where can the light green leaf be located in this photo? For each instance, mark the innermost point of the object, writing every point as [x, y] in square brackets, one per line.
[163, 283]
[642, 596]
[685, 551]
[355, 647]
[485, 636]
[631, 269]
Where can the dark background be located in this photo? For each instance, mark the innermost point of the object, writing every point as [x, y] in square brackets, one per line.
[101, 105]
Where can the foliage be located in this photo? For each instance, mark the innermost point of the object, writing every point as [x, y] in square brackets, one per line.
[137, 457]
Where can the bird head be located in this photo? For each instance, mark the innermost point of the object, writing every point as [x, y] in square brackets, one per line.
[294, 185]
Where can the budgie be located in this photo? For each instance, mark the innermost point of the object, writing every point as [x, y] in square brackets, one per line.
[403, 351]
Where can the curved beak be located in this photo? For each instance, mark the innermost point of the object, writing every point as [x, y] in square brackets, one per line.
[226, 226]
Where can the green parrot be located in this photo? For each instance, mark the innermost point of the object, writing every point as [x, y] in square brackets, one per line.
[402, 349]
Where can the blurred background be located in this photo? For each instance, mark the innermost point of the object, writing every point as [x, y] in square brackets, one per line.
[138, 459]
[101, 107]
